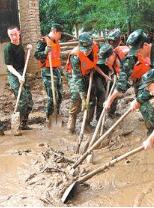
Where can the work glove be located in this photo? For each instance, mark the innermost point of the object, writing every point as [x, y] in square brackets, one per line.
[47, 49]
[84, 104]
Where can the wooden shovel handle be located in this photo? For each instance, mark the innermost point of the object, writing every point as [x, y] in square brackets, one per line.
[52, 84]
[23, 75]
[109, 164]
[80, 160]
[85, 113]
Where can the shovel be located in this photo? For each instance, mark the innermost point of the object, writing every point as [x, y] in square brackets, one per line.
[92, 140]
[94, 145]
[85, 113]
[55, 119]
[69, 191]
[108, 94]
[15, 118]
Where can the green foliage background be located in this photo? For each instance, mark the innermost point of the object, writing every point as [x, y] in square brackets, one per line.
[97, 15]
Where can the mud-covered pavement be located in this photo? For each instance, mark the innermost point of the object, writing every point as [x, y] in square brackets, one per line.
[35, 167]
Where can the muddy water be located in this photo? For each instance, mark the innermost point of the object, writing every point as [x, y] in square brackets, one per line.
[129, 183]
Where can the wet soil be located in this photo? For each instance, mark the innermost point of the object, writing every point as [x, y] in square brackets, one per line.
[35, 167]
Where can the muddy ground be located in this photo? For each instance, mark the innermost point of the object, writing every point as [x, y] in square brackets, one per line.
[35, 167]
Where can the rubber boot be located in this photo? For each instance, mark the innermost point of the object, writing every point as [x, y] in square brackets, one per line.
[2, 133]
[24, 123]
[71, 123]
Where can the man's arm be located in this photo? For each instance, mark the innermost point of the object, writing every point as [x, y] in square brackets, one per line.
[122, 83]
[102, 73]
[149, 142]
[8, 57]
[41, 52]
[14, 72]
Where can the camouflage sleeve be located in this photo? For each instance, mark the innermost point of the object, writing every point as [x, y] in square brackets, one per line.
[143, 96]
[77, 76]
[122, 84]
[40, 48]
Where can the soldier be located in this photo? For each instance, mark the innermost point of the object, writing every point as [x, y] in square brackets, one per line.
[114, 38]
[145, 102]
[14, 57]
[105, 51]
[46, 46]
[110, 61]
[138, 61]
[81, 61]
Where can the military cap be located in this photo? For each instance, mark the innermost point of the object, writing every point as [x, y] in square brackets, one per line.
[147, 79]
[114, 35]
[105, 52]
[85, 42]
[134, 40]
[56, 26]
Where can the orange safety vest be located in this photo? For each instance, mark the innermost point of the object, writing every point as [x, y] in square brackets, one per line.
[86, 63]
[55, 54]
[144, 63]
[113, 62]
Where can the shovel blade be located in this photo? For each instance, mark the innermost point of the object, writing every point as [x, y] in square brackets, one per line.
[55, 120]
[69, 192]
[15, 123]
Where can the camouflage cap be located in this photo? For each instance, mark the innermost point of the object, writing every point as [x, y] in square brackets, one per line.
[114, 35]
[85, 42]
[105, 52]
[147, 79]
[56, 26]
[134, 40]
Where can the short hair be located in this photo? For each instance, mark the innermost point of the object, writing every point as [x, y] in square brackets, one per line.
[13, 27]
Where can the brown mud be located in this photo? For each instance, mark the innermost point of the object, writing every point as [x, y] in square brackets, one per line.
[35, 167]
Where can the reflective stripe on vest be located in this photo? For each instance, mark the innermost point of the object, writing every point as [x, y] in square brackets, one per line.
[55, 54]
[144, 63]
[86, 63]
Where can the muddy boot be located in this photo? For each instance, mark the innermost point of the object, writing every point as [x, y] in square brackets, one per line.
[89, 128]
[71, 123]
[2, 133]
[24, 123]
[17, 133]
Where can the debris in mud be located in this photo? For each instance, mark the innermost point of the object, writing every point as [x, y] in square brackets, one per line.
[51, 175]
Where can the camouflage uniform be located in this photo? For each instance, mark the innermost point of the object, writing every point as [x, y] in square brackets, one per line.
[78, 85]
[147, 101]
[105, 51]
[46, 77]
[14, 55]
[129, 62]
[100, 88]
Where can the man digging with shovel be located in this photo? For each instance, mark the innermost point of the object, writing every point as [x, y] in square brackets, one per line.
[81, 61]
[14, 57]
[48, 55]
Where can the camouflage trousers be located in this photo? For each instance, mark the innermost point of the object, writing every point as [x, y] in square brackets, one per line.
[25, 103]
[1, 126]
[100, 91]
[75, 106]
[147, 111]
[46, 77]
